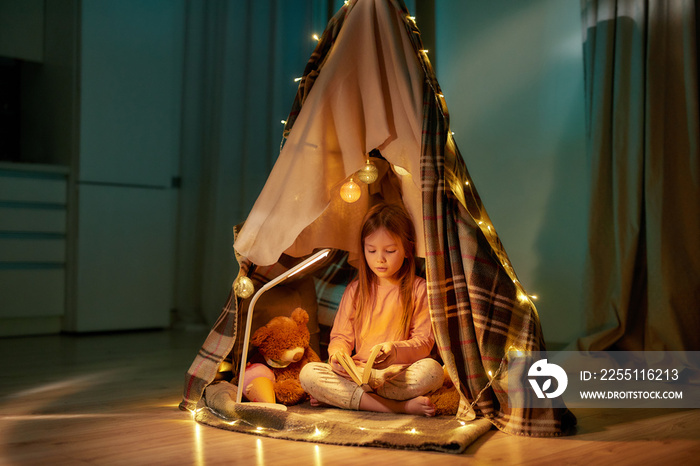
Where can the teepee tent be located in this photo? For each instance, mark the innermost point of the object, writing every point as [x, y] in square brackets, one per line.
[369, 93]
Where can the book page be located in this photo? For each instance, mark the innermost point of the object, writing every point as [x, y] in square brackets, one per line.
[370, 362]
[349, 365]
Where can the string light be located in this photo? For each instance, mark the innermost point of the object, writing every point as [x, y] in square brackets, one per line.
[400, 170]
[369, 173]
[243, 287]
[513, 352]
[315, 37]
[296, 80]
[195, 411]
[284, 122]
[350, 192]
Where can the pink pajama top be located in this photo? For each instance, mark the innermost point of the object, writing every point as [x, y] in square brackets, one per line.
[378, 328]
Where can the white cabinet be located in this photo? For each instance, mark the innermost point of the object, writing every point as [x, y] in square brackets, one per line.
[32, 248]
[131, 64]
[90, 246]
[131, 68]
[125, 258]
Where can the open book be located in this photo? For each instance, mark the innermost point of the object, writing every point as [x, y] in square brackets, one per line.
[349, 365]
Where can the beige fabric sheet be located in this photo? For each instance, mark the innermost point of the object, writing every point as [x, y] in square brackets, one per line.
[368, 96]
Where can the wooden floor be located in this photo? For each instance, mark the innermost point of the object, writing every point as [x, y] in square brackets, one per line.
[112, 399]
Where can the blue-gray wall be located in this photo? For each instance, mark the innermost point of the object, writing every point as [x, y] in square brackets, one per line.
[512, 75]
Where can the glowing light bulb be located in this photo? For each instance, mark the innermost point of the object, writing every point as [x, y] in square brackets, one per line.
[243, 287]
[400, 171]
[369, 173]
[315, 37]
[350, 192]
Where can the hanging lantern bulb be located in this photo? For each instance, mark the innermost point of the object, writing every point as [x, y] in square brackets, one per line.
[350, 191]
[400, 170]
[243, 287]
[369, 173]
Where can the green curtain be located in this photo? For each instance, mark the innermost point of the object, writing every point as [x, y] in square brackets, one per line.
[641, 83]
[241, 59]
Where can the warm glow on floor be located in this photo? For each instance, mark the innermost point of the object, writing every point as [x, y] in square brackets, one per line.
[198, 448]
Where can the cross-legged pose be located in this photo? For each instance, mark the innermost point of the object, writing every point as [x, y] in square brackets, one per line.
[387, 306]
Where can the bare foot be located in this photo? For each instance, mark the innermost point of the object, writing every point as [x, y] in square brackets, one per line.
[315, 403]
[421, 406]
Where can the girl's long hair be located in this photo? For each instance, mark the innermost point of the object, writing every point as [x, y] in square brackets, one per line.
[397, 222]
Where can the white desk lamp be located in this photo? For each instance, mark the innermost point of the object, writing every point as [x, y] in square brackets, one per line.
[322, 254]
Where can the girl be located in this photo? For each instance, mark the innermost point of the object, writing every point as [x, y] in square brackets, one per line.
[385, 306]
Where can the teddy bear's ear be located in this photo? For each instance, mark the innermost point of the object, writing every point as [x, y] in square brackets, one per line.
[300, 316]
[259, 336]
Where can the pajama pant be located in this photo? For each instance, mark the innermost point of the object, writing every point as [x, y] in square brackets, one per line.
[319, 380]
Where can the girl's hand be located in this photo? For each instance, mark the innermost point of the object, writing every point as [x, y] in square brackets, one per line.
[386, 356]
[337, 367]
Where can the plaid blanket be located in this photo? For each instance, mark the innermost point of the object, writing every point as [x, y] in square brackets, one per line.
[479, 309]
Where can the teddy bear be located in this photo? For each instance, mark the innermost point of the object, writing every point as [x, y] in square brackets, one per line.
[284, 345]
[445, 398]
